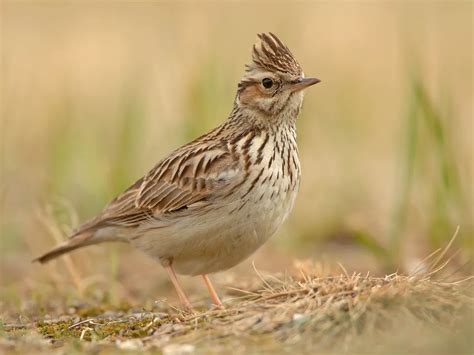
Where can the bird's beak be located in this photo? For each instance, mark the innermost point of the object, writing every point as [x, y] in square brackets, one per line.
[303, 83]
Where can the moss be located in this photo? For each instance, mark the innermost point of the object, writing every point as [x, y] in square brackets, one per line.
[98, 329]
[57, 330]
[126, 329]
[96, 309]
[91, 311]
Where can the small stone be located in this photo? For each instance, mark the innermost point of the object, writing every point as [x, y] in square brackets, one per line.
[178, 349]
[137, 315]
[298, 316]
[130, 344]
[109, 313]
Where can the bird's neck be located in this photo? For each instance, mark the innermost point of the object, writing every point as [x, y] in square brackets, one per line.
[285, 120]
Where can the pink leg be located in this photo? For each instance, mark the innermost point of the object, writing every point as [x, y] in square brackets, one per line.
[214, 297]
[182, 297]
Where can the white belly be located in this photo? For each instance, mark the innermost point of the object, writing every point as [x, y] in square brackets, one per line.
[219, 239]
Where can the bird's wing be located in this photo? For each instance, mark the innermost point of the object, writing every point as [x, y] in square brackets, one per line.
[189, 177]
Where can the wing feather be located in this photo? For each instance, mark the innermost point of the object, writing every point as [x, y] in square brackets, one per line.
[188, 176]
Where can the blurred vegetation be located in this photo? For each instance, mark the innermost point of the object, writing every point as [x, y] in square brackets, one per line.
[95, 94]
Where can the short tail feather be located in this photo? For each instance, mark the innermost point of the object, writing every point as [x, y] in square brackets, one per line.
[75, 242]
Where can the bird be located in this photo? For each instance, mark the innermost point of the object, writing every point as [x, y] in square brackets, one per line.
[213, 202]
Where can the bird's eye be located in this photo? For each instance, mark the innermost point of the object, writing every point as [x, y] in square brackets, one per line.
[267, 83]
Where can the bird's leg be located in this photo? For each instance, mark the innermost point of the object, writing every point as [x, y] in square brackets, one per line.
[182, 296]
[214, 297]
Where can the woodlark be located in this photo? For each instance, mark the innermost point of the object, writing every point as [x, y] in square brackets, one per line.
[213, 202]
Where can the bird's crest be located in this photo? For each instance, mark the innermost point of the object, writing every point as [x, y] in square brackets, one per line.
[271, 54]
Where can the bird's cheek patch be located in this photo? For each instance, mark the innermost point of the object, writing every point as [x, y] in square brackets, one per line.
[250, 95]
[254, 97]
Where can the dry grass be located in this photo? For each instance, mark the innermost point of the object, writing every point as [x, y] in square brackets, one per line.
[310, 310]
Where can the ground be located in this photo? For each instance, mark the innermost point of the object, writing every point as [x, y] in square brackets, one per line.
[308, 311]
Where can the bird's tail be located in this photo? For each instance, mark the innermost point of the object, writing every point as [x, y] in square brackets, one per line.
[75, 242]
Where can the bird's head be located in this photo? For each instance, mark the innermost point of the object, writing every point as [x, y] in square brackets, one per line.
[273, 83]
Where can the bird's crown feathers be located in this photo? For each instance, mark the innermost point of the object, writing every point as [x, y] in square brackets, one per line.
[272, 55]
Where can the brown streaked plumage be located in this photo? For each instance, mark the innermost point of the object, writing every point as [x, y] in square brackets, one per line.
[213, 202]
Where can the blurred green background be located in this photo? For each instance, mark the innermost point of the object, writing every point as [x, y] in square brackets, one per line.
[94, 94]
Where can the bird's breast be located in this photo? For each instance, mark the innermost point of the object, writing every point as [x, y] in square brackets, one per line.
[272, 183]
